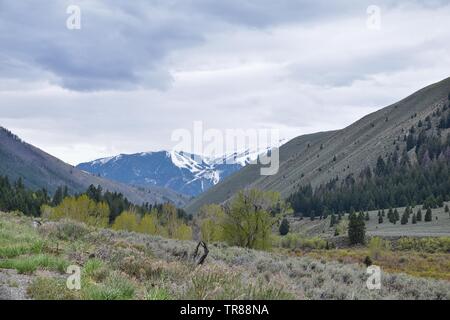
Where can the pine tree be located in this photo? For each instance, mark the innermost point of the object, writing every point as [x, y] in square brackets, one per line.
[58, 197]
[284, 227]
[405, 217]
[414, 219]
[332, 220]
[396, 216]
[419, 215]
[356, 228]
[380, 219]
[447, 208]
[367, 217]
[428, 215]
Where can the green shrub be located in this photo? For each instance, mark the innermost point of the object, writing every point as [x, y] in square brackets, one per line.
[51, 289]
[431, 245]
[158, 293]
[377, 246]
[21, 249]
[30, 264]
[116, 287]
[65, 230]
[296, 241]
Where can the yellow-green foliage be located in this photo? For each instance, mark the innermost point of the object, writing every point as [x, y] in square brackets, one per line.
[128, 221]
[441, 244]
[211, 223]
[249, 219]
[183, 232]
[80, 209]
[342, 227]
[150, 224]
[377, 246]
[297, 241]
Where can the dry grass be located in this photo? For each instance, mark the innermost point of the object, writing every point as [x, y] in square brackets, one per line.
[121, 265]
[418, 264]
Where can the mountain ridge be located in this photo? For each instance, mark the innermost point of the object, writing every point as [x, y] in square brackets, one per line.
[39, 169]
[317, 158]
[180, 171]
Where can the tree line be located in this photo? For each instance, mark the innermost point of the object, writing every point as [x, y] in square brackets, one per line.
[418, 174]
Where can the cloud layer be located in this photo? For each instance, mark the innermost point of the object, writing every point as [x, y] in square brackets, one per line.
[137, 70]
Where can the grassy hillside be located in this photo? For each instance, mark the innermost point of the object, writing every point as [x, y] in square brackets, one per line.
[133, 266]
[41, 170]
[439, 227]
[318, 158]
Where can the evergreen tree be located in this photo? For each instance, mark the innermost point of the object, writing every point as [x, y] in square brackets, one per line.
[332, 220]
[58, 197]
[356, 229]
[390, 215]
[396, 216]
[447, 208]
[428, 215]
[419, 215]
[380, 219]
[405, 217]
[284, 227]
[367, 217]
[414, 219]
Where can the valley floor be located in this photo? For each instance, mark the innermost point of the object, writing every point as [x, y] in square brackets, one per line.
[120, 265]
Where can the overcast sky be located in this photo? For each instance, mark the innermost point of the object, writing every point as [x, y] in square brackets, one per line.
[138, 70]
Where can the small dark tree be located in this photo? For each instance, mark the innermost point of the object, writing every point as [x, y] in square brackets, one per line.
[414, 219]
[428, 215]
[58, 197]
[367, 261]
[419, 215]
[405, 218]
[367, 217]
[447, 208]
[284, 227]
[333, 220]
[356, 229]
[396, 216]
[380, 219]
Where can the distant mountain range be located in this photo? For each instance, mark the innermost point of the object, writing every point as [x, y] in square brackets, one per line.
[317, 158]
[38, 169]
[181, 172]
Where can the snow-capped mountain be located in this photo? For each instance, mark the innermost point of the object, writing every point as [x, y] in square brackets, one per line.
[182, 172]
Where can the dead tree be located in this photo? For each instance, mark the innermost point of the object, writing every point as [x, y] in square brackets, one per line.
[205, 253]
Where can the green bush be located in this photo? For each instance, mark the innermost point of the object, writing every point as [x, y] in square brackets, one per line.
[30, 264]
[51, 289]
[377, 246]
[431, 245]
[116, 287]
[296, 241]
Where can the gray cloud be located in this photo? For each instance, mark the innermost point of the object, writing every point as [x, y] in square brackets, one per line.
[137, 70]
[124, 44]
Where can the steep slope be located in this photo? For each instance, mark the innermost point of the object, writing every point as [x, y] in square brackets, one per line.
[178, 171]
[318, 158]
[41, 170]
